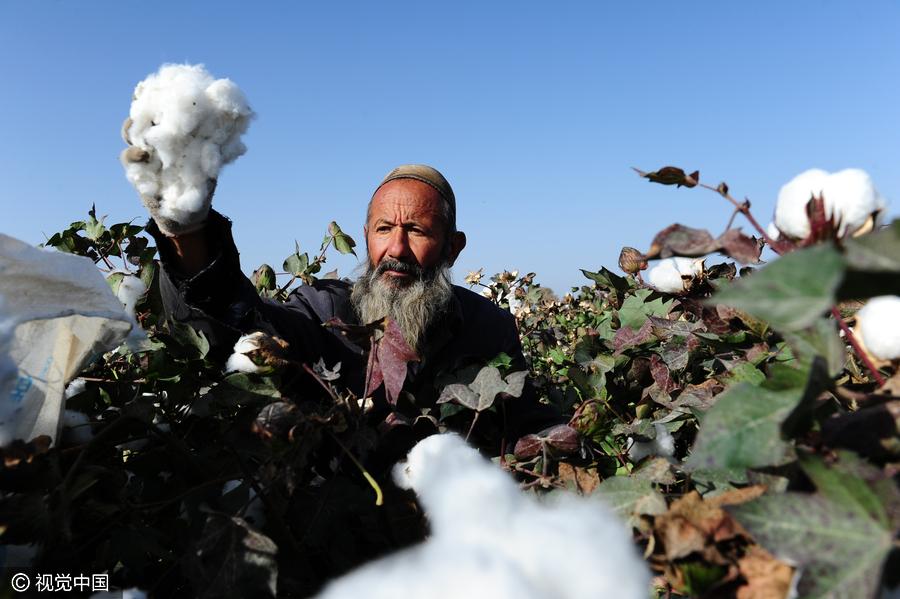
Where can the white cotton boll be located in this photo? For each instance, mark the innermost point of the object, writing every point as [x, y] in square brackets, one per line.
[878, 324]
[190, 124]
[662, 446]
[850, 196]
[854, 198]
[772, 231]
[76, 429]
[514, 304]
[75, 387]
[668, 275]
[238, 361]
[130, 290]
[790, 211]
[497, 541]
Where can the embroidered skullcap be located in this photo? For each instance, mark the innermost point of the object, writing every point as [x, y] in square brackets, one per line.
[426, 174]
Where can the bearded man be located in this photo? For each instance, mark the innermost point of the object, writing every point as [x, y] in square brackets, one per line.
[411, 242]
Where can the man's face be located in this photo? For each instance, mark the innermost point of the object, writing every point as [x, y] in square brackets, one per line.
[405, 227]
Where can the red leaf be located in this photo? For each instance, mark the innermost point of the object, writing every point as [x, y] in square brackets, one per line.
[389, 358]
[662, 376]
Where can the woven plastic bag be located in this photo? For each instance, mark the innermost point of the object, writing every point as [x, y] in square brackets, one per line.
[56, 314]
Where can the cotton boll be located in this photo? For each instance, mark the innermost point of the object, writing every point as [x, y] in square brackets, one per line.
[238, 361]
[190, 125]
[854, 199]
[669, 275]
[878, 326]
[130, 289]
[850, 198]
[75, 387]
[76, 429]
[662, 446]
[790, 211]
[497, 541]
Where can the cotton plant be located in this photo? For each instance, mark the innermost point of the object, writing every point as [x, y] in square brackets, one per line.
[497, 541]
[184, 126]
[850, 199]
[675, 275]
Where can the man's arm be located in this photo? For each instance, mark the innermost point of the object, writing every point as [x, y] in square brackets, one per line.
[190, 252]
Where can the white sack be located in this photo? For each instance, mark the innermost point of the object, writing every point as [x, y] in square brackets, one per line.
[61, 313]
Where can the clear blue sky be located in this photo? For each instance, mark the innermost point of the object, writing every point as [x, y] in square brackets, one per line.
[534, 111]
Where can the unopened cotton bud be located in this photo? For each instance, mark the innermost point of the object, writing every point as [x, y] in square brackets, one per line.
[630, 262]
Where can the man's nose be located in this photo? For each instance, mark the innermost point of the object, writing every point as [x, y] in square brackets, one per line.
[399, 248]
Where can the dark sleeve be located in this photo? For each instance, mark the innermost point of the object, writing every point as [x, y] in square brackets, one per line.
[222, 303]
[491, 330]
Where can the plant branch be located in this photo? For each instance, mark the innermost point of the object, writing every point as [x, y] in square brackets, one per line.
[856, 347]
[379, 497]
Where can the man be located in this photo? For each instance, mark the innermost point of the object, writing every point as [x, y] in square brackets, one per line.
[411, 242]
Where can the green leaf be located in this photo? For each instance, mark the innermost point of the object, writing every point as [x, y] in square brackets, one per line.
[742, 372]
[296, 264]
[235, 560]
[265, 278]
[592, 386]
[852, 480]
[93, 227]
[821, 339]
[873, 265]
[617, 287]
[636, 308]
[241, 388]
[744, 428]
[630, 498]
[839, 537]
[712, 482]
[343, 242]
[189, 337]
[792, 292]
[115, 281]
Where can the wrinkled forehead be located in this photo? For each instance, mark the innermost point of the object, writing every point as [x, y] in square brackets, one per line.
[406, 199]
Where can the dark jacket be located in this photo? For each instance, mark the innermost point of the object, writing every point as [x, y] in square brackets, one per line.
[223, 303]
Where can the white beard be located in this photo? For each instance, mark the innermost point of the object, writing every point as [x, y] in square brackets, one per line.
[416, 306]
